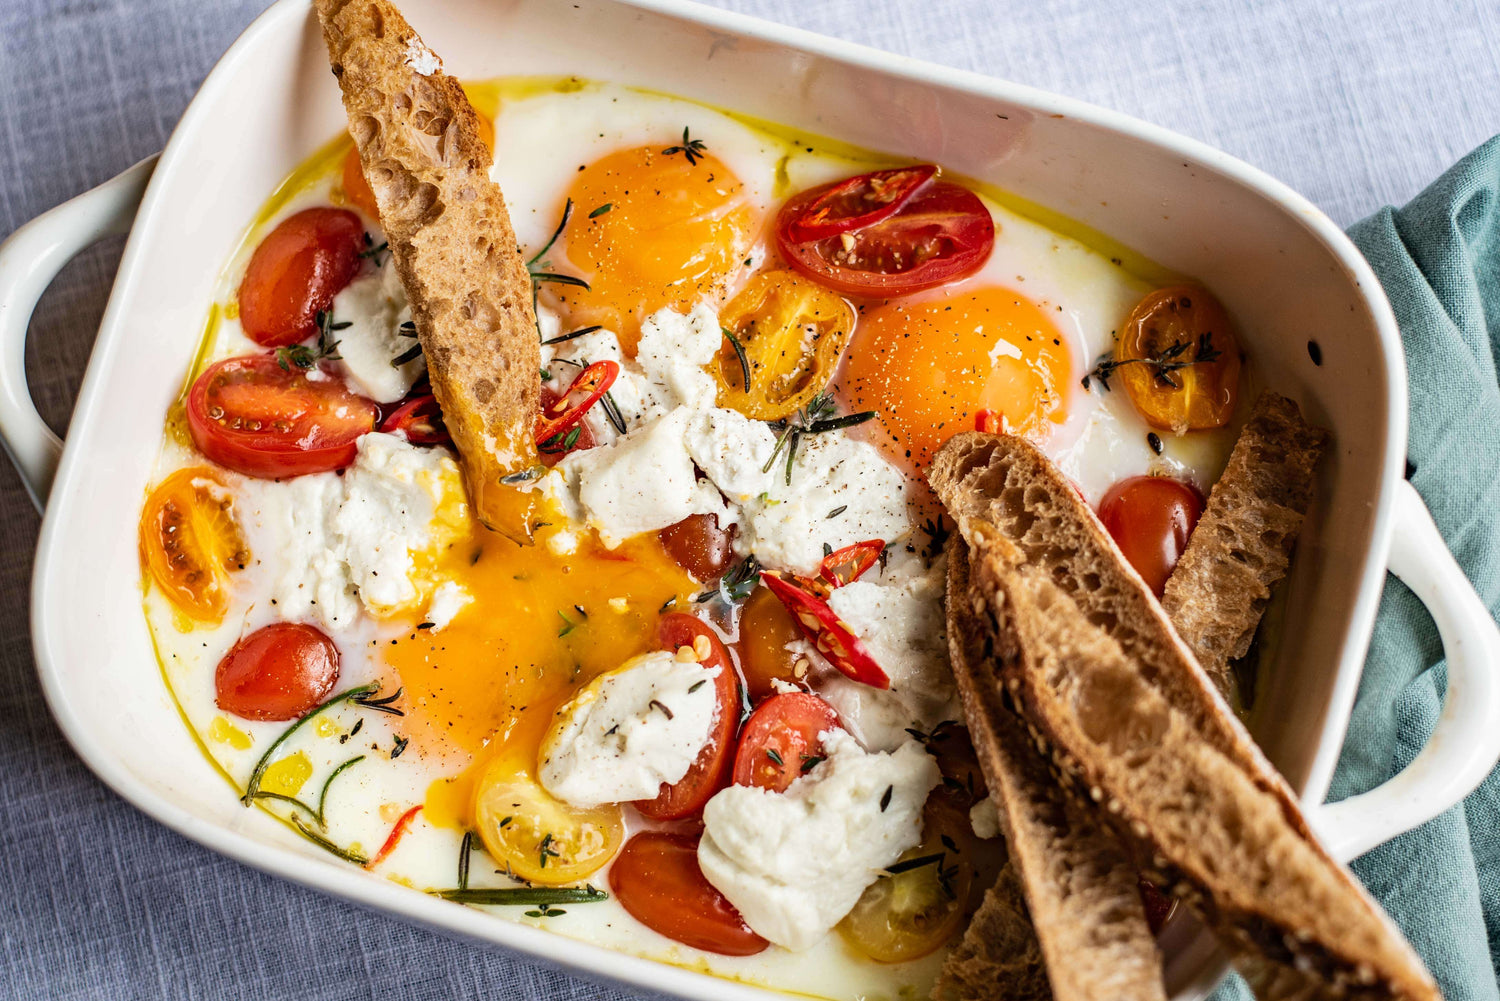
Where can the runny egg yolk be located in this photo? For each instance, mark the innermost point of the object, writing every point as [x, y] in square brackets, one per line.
[928, 367]
[542, 624]
[651, 230]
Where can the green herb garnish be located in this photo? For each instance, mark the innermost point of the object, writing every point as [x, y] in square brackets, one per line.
[690, 148]
[820, 415]
[302, 357]
[1176, 356]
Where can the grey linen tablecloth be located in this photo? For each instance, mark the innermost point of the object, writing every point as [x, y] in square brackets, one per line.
[1356, 105]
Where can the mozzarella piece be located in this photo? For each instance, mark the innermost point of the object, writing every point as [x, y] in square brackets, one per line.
[374, 305]
[984, 818]
[630, 730]
[794, 863]
[448, 599]
[347, 541]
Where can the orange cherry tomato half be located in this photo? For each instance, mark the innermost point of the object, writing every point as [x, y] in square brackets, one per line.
[700, 546]
[420, 419]
[1150, 519]
[780, 742]
[1179, 360]
[251, 415]
[191, 542]
[766, 627]
[559, 416]
[657, 880]
[829, 635]
[858, 202]
[295, 273]
[278, 672]
[710, 772]
[847, 565]
[940, 234]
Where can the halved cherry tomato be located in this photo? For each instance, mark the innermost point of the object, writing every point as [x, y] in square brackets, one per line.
[710, 771]
[832, 638]
[847, 565]
[658, 882]
[1179, 359]
[420, 419]
[793, 333]
[251, 415]
[191, 542]
[780, 741]
[566, 442]
[858, 202]
[538, 837]
[559, 416]
[278, 672]
[1150, 519]
[700, 546]
[295, 273]
[940, 234]
[766, 627]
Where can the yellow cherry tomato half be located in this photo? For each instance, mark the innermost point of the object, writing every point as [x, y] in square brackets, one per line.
[191, 542]
[1179, 360]
[539, 837]
[792, 332]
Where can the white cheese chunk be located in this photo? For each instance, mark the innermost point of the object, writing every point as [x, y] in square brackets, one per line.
[629, 731]
[421, 59]
[794, 863]
[347, 541]
[984, 817]
[448, 599]
[374, 305]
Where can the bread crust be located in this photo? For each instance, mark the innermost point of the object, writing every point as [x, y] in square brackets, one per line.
[1083, 908]
[1130, 721]
[451, 240]
[1242, 545]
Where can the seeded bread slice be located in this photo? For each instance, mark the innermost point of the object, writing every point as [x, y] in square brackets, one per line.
[1243, 543]
[1083, 906]
[451, 241]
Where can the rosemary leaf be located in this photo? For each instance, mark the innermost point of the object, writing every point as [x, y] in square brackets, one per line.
[530, 896]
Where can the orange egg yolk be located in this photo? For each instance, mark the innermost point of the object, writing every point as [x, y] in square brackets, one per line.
[929, 367]
[540, 627]
[651, 230]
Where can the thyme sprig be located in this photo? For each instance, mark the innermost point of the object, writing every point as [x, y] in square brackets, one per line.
[692, 149]
[1164, 364]
[736, 584]
[303, 357]
[538, 267]
[374, 254]
[820, 415]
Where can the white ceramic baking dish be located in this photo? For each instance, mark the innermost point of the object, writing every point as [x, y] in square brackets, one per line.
[1286, 272]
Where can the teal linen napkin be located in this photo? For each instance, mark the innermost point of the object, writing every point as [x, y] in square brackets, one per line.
[1439, 261]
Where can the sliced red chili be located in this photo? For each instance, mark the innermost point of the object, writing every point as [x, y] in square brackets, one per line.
[397, 833]
[420, 419]
[829, 636]
[847, 565]
[859, 201]
[567, 410]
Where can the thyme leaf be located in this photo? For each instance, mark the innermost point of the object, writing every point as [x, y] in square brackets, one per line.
[692, 149]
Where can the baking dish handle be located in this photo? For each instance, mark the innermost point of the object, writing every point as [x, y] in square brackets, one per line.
[29, 260]
[1465, 744]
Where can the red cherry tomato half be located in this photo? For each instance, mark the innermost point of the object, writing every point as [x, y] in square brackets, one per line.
[710, 772]
[295, 273]
[420, 419]
[847, 565]
[857, 202]
[251, 415]
[564, 411]
[1150, 518]
[780, 741]
[278, 672]
[829, 635]
[657, 880]
[942, 233]
[700, 546]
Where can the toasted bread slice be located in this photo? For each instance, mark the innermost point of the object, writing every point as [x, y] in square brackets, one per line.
[1083, 904]
[1131, 722]
[1243, 543]
[451, 240]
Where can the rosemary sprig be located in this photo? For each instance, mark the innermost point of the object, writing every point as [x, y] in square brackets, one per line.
[323, 796]
[612, 411]
[303, 357]
[897, 868]
[464, 851]
[1174, 357]
[570, 335]
[354, 695]
[557, 279]
[819, 416]
[530, 896]
[692, 149]
[347, 854]
[561, 225]
[739, 350]
[382, 705]
[410, 354]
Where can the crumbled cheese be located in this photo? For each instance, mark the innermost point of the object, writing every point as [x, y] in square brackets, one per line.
[448, 599]
[374, 305]
[421, 59]
[985, 819]
[347, 540]
[794, 863]
[629, 731]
